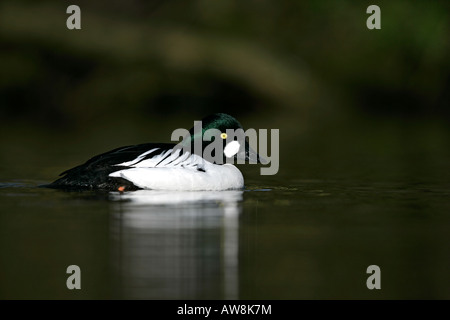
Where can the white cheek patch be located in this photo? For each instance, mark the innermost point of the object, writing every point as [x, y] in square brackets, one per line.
[231, 149]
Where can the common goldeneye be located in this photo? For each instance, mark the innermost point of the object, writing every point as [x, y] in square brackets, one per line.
[166, 166]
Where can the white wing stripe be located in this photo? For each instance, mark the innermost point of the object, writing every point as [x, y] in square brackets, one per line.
[168, 159]
[139, 158]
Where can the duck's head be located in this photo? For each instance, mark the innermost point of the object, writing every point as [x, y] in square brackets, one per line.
[234, 146]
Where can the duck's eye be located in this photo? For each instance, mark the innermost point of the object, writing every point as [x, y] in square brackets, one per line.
[223, 135]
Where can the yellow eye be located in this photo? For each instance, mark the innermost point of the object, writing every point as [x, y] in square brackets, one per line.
[223, 135]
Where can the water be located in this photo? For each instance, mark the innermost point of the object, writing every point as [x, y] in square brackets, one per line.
[284, 240]
[367, 195]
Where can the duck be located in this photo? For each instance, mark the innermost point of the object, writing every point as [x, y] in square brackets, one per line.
[167, 166]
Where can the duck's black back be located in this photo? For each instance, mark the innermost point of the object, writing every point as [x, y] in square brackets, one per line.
[94, 173]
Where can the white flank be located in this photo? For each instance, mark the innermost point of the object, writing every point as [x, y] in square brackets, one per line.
[181, 173]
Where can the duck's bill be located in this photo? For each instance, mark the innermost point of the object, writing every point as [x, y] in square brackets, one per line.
[250, 155]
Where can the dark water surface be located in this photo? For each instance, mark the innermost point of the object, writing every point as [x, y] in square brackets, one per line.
[341, 202]
[287, 240]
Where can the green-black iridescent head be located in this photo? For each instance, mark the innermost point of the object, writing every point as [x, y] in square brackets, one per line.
[233, 146]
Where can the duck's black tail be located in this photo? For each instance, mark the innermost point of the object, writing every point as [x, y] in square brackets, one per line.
[91, 180]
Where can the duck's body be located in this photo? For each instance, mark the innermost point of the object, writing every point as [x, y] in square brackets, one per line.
[159, 166]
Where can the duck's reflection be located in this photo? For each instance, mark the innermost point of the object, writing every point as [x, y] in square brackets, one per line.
[177, 245]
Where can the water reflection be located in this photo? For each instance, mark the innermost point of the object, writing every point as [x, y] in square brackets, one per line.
[176, 245]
